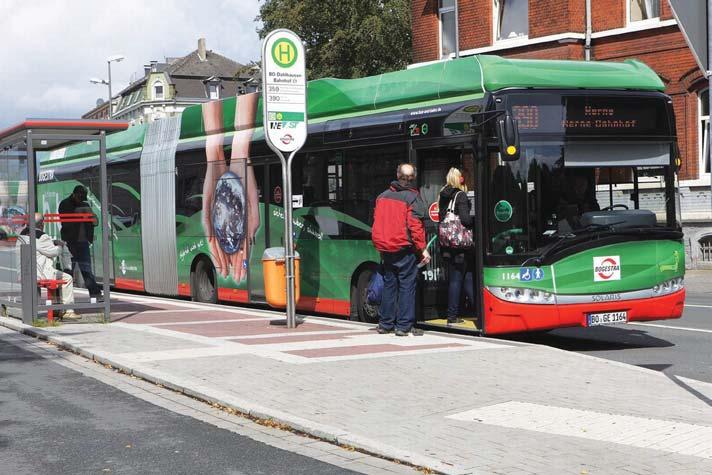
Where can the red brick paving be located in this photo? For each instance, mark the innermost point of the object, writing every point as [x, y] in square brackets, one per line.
[366, 349]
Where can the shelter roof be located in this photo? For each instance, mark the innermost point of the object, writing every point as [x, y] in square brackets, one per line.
[65, 129]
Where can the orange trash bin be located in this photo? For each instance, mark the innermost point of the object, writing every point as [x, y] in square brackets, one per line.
[274, 270]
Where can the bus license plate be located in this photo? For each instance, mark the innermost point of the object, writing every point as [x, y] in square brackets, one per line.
[595, 319]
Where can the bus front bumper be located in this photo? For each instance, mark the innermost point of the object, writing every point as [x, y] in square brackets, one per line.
[502, 316]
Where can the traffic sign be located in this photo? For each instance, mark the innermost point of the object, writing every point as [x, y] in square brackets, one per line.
[434, 212]
[691, 17]
[284, 83]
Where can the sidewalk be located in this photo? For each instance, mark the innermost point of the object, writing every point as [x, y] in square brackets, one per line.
[451, 404]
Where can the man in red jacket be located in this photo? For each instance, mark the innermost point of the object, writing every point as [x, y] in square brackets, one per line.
[399, 235]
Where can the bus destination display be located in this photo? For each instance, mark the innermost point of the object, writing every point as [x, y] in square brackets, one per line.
[581, 115]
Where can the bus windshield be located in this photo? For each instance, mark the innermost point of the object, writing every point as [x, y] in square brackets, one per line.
[544, 195]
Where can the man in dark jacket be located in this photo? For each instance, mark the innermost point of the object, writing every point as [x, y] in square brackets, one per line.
[399, 235]
[79, 237]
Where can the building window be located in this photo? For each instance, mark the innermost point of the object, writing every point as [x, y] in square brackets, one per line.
[706, 248]
[158, 91]
[448, 25]
[703, 130]
[511, 19]
[213, 91]
[641, 10]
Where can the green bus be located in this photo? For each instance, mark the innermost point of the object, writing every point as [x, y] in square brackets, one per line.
[196, 199]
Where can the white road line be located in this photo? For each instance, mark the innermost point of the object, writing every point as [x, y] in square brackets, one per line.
[641, 432]
[697, 306]
[239, 338]
[671, 327]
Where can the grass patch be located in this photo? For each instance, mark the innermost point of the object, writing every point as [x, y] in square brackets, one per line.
[41, 323]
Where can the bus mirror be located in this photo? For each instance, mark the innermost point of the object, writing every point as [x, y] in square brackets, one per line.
[508, 132]
[677, 159]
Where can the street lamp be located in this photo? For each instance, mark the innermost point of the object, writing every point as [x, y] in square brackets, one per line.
[111, 59]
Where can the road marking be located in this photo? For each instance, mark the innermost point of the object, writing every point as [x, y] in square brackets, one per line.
[671, 327]
[642, 432]
[697, 306]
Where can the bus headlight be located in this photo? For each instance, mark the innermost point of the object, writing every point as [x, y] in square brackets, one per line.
[523, 295]
[669, 286]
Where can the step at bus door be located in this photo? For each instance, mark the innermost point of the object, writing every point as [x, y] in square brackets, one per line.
[433, 166]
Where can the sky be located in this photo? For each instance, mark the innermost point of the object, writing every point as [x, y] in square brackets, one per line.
[50, 48]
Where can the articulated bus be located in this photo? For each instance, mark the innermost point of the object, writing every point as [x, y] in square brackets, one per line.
[196, 199]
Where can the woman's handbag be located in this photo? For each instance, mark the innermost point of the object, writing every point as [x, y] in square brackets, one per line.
[451, 233]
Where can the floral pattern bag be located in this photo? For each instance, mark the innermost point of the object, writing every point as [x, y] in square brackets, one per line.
[451, 232]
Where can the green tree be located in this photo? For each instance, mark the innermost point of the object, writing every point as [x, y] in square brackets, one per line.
[345, 38]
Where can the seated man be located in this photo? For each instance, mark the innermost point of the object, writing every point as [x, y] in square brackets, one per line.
[578, 198]
[47, 251]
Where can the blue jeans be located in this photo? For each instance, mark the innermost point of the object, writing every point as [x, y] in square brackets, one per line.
[400, 276]
[459, 274]
[82, 258]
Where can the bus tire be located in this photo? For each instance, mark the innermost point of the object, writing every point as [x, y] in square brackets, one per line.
[363, 311]
[204, 282]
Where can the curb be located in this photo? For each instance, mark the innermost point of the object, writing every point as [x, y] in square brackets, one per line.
[211, 396]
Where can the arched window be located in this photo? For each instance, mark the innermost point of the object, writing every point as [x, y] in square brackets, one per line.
[158, 91]
[706, 248]
[703, 130]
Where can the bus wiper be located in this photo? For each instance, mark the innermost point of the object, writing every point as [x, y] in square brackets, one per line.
[537, 260]
[564, 238]
[598, 227]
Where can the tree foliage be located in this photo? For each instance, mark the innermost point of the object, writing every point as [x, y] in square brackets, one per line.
[345, 38]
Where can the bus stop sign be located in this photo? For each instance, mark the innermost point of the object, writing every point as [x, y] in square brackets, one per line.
[284, 109]
[284, 91]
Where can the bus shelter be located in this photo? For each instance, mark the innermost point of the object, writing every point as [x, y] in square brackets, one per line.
[29, 201]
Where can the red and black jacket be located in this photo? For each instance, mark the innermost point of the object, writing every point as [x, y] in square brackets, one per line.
[398, 220]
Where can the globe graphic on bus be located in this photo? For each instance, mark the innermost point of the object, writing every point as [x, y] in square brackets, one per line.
[228, 212]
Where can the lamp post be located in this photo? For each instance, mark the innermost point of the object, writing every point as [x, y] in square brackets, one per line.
[111, 59]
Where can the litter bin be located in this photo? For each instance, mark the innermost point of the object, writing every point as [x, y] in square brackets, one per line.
[274, 269]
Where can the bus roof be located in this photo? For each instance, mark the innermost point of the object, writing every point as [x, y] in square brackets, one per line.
[441, 82]
[448, 80]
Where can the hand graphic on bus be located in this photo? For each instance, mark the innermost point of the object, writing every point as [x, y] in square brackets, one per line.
[229, 234]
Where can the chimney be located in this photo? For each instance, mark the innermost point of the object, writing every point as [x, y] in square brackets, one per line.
[146, 69]
[154, 66]
[202, 54]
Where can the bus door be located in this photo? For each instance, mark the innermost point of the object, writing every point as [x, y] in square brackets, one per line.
[255, 276]
[433, 165]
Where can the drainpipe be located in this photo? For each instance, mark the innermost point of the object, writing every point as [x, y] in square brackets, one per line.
[587, 46]
[457, 31]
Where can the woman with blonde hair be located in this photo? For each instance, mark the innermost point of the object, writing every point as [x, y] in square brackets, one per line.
[460, 261]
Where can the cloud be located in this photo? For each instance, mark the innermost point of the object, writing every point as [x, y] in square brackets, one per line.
[52, 47]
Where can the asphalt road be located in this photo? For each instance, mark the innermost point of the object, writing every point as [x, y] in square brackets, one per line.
[54, 420]
[681, 347]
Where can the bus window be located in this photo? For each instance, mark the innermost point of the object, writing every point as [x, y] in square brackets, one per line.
[367, 173]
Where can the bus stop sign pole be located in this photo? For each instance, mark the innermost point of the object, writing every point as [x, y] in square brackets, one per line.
[284, 118]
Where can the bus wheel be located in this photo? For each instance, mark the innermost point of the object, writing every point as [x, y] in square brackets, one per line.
[364, 312]
[204, 282]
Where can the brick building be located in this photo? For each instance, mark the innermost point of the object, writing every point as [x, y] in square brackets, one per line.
[619, 29]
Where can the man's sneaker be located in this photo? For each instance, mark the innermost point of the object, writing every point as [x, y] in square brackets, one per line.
[402, 332]
[455, 321]
[71, 315]
[416, 331]
[98, 297]
[382, 330]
